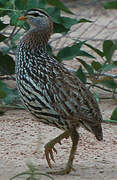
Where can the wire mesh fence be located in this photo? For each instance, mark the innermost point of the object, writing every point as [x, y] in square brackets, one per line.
[102, 27]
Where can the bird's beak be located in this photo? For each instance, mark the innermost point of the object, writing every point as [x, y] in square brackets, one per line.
[22, 18]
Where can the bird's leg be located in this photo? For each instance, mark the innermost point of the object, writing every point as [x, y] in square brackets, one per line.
[49, 147]
[74, 137]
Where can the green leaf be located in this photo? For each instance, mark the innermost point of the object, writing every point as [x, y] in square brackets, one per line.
[2, 3]
[7, 64]
[2, 112]
[22, 4]
[42, 3]
[86, 66]
[108, 82]
[12, 96]
[85, 54]
[110, 121]
[2, 93]
[68, 53]
[7, 95]
[59, 5]
[96, 65]
[2, 25]
[68, 22]
[81, 75]
[100, 53]
[49, 50]
[14, 18]
[3, 90]
[114, 114]
[36, 4]
[108, 67]
[83, 20]
[55, 14]
[110, 5]
[59, 28]
[5, 50]
[108, 49]
[10, 4]
[2, 37]
[115, 43]
[115, 63]
[96, 95]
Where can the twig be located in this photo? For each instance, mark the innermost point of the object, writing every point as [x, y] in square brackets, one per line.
[12, 33]
[12, 107]
[96, 74]
[109, 121]
[7, 78]
[101, 88]
[4, 9]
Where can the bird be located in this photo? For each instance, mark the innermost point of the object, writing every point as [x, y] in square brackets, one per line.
[53, 95]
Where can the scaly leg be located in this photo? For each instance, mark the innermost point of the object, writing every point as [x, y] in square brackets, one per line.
[49, 147]
[74, 137]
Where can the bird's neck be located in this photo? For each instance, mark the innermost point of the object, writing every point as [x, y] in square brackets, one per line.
[37, 38]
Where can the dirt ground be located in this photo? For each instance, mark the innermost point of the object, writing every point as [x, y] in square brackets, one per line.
[22, 140]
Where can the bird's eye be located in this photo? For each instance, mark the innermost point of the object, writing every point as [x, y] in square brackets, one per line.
[36, 14]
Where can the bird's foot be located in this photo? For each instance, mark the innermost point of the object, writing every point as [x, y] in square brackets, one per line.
[50, 149]
[67, 170]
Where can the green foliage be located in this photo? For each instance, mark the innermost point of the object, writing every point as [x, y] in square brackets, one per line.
[114, 115]
[69, 53]
[7, 64]
[86, 66]
[62, 24]
[13, 9]
[96, 65]
[108, 82]
[110, 5]
[59, 5]
[82, 20]
[108, 49]
[100, 53]
[2, 25]
[7, 95]
[32, 174]
[81, 75]
[2, 37]
[113, 118]
[96, 95]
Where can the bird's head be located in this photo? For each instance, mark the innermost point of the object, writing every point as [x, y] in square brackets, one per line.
[36, 18]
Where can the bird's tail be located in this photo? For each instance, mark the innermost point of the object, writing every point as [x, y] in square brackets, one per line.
[97, 131]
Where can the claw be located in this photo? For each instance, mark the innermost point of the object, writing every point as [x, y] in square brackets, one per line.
[50, 149]
[49, 154]
[59, 142]
[48, 159]
[54, 150]
[52, 156]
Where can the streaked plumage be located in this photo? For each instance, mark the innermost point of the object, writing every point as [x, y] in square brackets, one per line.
[49, 91]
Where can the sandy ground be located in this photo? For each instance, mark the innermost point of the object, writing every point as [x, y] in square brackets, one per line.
[22, 139]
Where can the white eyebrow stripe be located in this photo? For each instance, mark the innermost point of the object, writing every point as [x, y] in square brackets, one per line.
[37, 12]
[32, 12]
